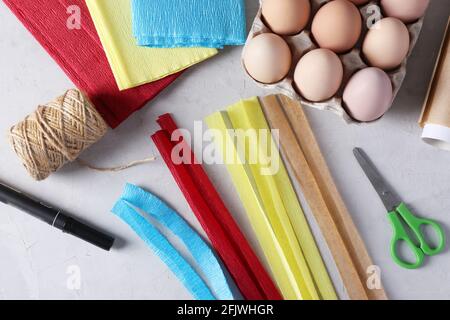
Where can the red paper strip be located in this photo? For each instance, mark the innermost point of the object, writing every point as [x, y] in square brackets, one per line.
[241, 261]
[80, 54]
[218, 207]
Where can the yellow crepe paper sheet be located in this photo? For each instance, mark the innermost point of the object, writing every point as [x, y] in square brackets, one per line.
[272, 204]
[131, 64]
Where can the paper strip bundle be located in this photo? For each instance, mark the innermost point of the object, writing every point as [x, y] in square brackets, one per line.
[223, 232]
[271, 203]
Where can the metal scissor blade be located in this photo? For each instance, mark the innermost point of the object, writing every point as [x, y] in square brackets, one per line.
[387, 195]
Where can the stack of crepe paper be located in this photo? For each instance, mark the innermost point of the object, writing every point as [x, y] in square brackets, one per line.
[80, 54]
[272, 206]
[223, 232]
[133, 65]
[189, 23]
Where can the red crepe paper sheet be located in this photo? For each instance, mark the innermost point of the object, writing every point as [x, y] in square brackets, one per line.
[80, 54]
[224, 233]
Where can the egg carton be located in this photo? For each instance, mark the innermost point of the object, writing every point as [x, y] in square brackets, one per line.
[352, 61]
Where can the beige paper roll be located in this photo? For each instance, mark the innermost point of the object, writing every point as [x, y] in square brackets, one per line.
[435, 117]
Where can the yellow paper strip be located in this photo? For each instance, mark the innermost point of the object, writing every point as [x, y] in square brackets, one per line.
[242, 177]
[133, 65]
[278, 203]
[247, 115]
[254, 118]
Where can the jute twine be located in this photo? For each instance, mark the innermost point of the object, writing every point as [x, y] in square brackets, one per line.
[56, 133]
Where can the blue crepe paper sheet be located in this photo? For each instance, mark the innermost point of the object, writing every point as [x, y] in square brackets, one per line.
[189, 23]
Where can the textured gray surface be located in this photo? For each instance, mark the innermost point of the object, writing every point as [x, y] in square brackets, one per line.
[35, 261]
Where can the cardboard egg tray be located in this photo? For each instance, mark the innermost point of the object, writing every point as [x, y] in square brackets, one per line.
[353, 61]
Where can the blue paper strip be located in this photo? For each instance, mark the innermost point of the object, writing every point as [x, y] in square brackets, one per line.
[209, 265]
[189, 23]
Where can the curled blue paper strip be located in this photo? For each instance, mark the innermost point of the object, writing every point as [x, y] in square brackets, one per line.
[189, 23]
[135, 197]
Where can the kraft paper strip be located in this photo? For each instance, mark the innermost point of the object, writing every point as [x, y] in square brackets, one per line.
[300, 147]
[248, 116]
[78, 51]
[436, 111]
[205, 258]
[133, 65]
[189, 23]
[249, 266]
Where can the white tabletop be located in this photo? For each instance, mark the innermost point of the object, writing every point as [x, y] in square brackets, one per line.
[38, 262]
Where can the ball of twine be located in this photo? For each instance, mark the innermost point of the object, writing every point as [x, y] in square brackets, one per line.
[56, 133]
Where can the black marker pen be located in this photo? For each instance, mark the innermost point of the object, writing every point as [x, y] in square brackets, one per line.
[54, 217]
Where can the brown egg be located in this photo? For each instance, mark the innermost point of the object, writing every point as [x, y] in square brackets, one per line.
[407, 11]
[267, 58]
[337, 26]
[286, 17]
[318, 75]
[386, 44]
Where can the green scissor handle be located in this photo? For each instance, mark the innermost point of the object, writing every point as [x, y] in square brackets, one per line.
[415, 224]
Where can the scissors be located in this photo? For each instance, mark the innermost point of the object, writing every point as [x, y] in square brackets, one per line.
[401, 217]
